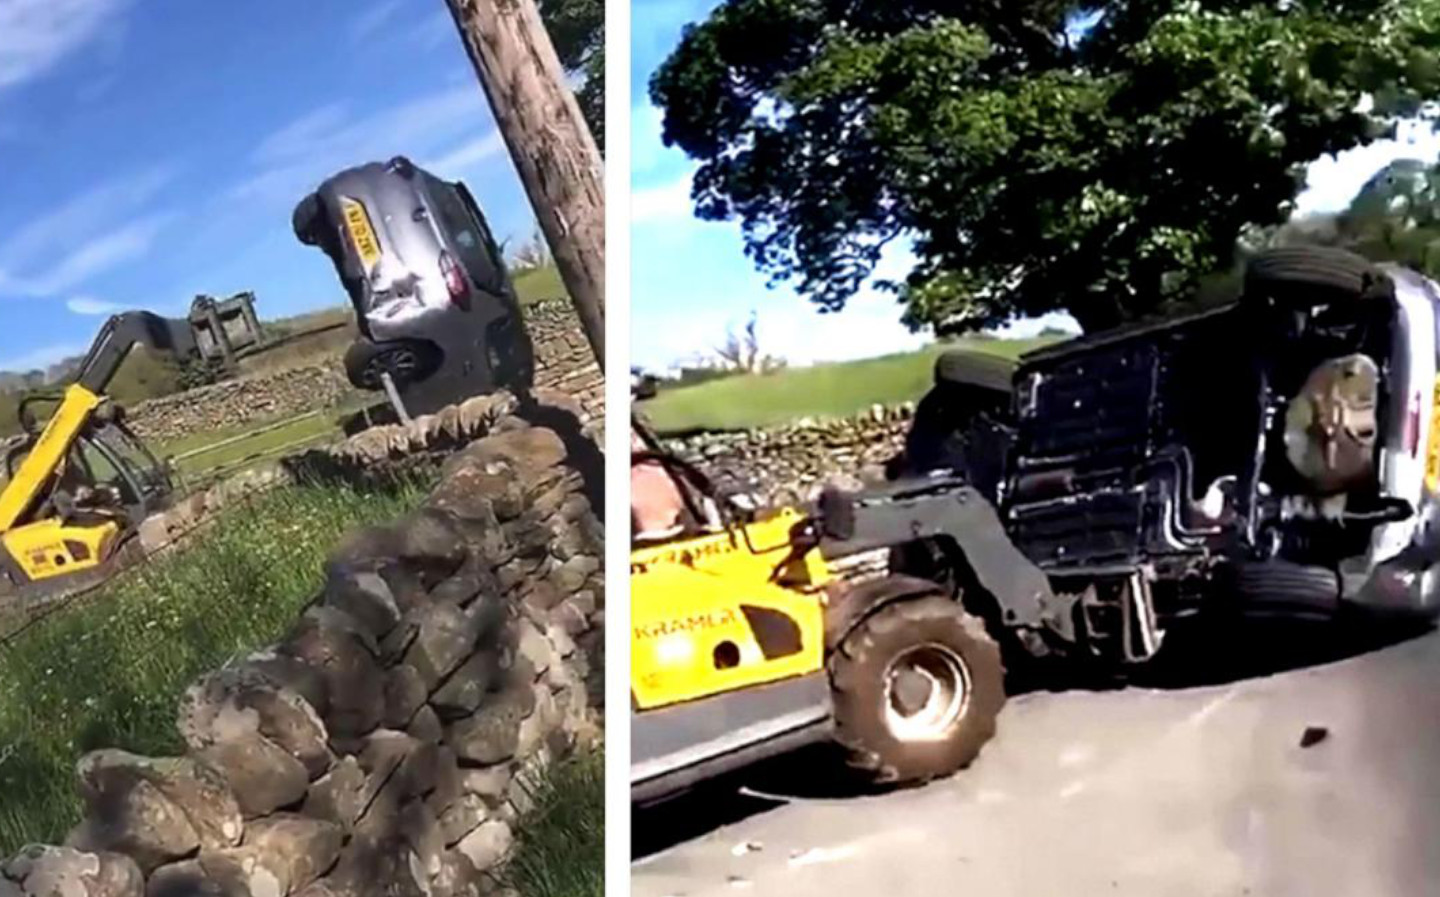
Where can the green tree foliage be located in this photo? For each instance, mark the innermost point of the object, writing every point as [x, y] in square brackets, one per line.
[1031, 162]
[577, 28]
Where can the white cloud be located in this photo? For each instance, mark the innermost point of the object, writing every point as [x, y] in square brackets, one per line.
[1332, 181]
[666, 202]
[374, 18]
[84, 214]
[87, 234]
[41, 357]
[302, 135]
[35, 35]
[132, 241]
[1024, 328]
[89, 305]
[317, 145]
[467, 154]
[434, 30]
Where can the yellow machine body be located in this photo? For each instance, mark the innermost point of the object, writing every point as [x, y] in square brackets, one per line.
[725, 611]
[49, 547]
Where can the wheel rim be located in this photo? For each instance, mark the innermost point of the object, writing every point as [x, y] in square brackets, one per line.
[401, 364]
[927, 689]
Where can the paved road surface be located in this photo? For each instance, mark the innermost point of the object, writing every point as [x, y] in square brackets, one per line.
[1194, 791]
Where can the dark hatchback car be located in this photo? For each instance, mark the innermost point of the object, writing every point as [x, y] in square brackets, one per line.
[426, 277]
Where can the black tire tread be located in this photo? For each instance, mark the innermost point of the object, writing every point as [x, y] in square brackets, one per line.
[1314, 267]
[967, 367]
[847, 665]
[1288, 583]
[305, 220]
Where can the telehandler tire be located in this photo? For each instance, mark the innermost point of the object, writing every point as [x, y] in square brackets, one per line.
[916, 689]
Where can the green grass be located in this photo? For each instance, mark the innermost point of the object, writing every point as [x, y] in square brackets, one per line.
[560, 847]
[312, 428]
[108, 673]
[539, 285]
[820, 391]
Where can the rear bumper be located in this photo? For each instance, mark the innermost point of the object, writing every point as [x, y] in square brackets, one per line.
[675, 747]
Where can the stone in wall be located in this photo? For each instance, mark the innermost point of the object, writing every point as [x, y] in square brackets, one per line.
[564, 362]
[386, 743]
[232, 403]
[793, 463]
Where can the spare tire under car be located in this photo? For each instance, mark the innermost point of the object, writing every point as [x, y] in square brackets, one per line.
[1304, 274]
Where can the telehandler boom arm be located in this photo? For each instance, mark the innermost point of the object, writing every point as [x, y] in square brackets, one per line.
[117, 337]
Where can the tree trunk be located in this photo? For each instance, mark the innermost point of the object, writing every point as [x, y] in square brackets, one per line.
[549, 142]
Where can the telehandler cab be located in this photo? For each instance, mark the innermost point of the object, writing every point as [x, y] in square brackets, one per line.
[78, 488]
[746, 645]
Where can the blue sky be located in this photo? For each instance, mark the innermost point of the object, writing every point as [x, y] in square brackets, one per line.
[154, 150]
[690, 280]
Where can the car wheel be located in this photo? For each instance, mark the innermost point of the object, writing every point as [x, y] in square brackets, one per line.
[406, 361]
[916, 687]
[1301, 274]
[512, 355]
[306, 220]
[1294, 588]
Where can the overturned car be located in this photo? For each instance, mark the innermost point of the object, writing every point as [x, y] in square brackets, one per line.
[429, 285]
[1277, 456]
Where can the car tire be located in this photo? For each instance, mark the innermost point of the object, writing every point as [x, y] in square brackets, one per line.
[407, 361]
[512, 355]
[980, 370]
[306, 220]
[1280, 585]
[1297, 273]
[878, 672]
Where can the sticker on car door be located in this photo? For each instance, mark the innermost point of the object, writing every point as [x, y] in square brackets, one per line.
[362, 235]
[1432, 454]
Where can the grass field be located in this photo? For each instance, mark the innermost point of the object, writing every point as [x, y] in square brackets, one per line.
[310, 341]
[301, 433]
[560, 848]
[109, 673]
[821, 391]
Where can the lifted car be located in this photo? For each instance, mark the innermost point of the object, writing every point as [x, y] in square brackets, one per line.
[427, 280]
[1277, 456]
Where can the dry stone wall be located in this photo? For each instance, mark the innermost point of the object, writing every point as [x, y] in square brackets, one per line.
[386, 745]
[242, 401]
[564, 364]
[794, 462]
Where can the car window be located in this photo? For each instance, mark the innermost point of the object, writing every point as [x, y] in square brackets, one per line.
[466, 236]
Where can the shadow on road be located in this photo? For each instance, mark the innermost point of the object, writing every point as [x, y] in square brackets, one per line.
[812, 773]
[1196, 656]
[1220, 651]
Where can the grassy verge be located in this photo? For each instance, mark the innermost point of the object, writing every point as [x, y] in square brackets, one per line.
[310, 429]
[108, 673]
[830, 390]
[539, 285]
[560, 848]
